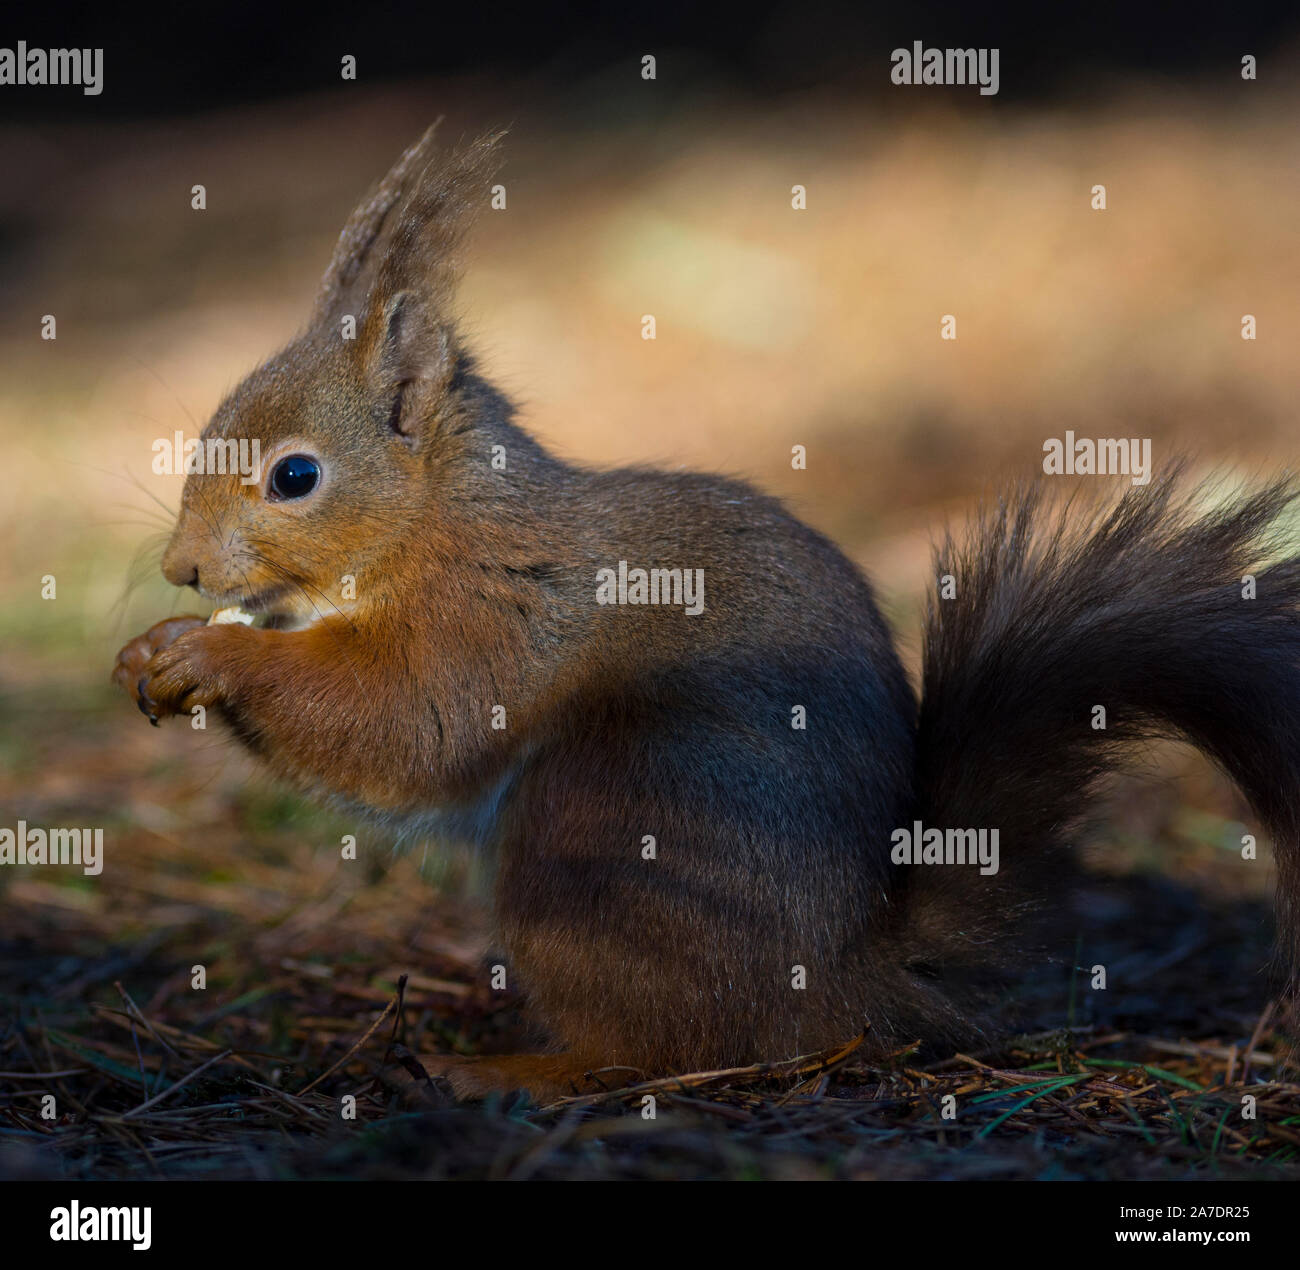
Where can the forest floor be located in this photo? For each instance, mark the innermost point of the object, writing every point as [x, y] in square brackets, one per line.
[304, 953]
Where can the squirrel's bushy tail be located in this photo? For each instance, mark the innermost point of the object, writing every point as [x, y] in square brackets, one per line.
[1143, 608]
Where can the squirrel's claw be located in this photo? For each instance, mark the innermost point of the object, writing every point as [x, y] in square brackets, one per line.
[134, 659]
[142, 700]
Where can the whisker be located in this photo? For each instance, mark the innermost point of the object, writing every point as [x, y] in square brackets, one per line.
[175, 396]
[261, 548]
[284, 574]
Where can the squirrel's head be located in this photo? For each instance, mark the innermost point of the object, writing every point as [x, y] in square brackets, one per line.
[332, 436]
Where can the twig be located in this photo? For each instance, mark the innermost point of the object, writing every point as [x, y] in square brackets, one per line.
[370, 1031]
[1254, 1039]
[166, 1093]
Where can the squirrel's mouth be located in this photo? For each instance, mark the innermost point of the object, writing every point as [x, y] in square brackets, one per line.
[263, 610]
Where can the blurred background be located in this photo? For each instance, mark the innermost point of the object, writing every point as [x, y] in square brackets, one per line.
[775, 327]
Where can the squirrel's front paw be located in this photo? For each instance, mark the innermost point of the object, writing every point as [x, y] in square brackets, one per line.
[168, 670]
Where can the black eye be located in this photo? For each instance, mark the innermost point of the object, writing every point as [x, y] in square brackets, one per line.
[294, 477]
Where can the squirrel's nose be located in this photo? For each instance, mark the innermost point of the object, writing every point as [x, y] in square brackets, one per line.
[179, 571]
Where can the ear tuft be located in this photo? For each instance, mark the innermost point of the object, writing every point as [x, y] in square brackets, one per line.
[429, 225]
[406, 233]
[355, 247]
[396, 268]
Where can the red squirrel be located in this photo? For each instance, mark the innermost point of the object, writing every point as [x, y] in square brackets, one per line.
[696, 807]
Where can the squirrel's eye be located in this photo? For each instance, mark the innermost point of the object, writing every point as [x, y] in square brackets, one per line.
[294, 477]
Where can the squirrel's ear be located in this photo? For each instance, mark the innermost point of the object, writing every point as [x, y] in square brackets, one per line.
[412, 361]
[407, 232]
[396, 267]
[355, 253]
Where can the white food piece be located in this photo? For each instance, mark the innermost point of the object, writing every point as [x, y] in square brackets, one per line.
[223, 617]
